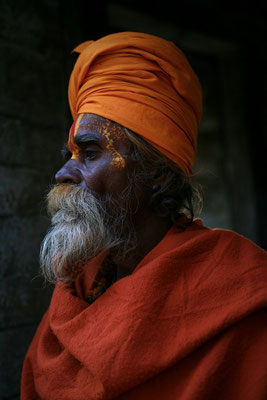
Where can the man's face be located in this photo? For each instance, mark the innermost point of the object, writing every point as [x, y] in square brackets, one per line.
[98, 157]
[96, 205]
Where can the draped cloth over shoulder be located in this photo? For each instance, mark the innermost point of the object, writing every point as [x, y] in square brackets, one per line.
[189, 323]
[144, 83]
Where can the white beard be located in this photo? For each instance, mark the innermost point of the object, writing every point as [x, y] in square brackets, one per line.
[81, 229]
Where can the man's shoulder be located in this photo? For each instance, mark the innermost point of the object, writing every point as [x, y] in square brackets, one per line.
[228, 242]
[198, 238]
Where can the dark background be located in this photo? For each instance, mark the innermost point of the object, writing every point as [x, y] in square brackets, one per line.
[225, 45]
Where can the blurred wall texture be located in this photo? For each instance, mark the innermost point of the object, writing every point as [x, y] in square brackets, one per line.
[225, 45]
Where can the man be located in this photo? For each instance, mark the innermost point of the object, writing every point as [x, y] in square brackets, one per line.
[148, 303]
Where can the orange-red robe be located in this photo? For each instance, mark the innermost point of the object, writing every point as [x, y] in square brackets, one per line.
[189, 323]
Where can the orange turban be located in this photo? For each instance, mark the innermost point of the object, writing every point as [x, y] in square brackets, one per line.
[144, 83]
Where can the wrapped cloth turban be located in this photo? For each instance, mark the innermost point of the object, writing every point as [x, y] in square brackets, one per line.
[144, 83]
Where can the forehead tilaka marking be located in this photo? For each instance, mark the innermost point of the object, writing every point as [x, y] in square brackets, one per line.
[110, 131]
[73, 133]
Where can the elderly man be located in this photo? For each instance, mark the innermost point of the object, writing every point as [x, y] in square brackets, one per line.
[148, 303]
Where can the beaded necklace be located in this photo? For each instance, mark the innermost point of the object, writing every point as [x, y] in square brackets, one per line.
[101, 287]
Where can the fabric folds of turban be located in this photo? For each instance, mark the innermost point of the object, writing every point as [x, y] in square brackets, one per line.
[144, 83]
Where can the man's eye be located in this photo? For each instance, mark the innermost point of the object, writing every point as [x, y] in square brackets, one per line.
[90, 154]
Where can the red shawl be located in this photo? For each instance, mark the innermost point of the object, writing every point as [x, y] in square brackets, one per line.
[189, 323]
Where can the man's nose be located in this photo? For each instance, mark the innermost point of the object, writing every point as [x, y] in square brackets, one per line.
[69, 173]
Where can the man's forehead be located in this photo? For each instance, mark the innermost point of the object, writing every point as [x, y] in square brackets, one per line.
[95, 126]
[92, 127]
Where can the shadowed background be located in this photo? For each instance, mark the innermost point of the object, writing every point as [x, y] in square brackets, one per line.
[225, 45]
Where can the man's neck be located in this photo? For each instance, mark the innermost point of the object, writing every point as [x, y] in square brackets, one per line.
[149, 234]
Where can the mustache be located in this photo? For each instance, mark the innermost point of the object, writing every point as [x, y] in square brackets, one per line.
[70, 198]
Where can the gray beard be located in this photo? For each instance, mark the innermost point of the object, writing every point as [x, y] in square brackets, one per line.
[82, 227]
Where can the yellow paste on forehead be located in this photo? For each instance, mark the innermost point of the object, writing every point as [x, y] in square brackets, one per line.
[108, 131]
[77, 124]
[117, 160]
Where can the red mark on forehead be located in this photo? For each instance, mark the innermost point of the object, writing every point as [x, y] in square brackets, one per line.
[73, 132]
[71, 137]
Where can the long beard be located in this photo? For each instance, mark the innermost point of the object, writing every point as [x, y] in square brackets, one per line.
[82, 227]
